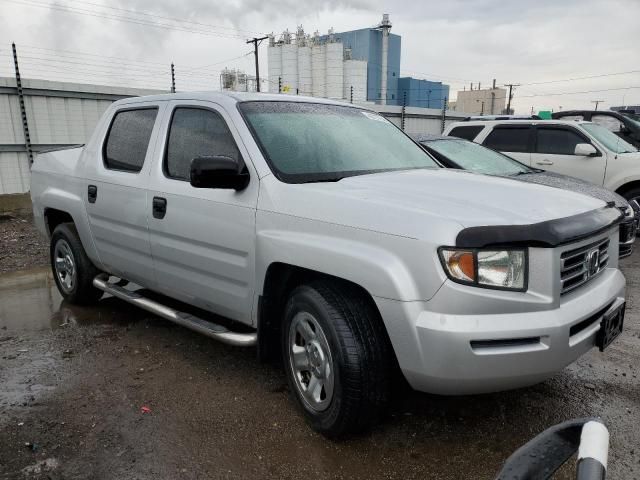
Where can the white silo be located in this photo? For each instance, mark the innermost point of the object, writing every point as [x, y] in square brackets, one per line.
[305, 77]
[289, 65]
[274, 60]
[318, 68]
[355, 76]
[335, 70]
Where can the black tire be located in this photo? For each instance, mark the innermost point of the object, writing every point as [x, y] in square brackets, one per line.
[632, 194]
[360, 350]
[81, 291]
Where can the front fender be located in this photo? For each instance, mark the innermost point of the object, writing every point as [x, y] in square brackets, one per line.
[381, 270]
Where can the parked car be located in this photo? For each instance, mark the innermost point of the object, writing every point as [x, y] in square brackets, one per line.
[625, 126]
[321, 231]
[579, 149]
[454, 152]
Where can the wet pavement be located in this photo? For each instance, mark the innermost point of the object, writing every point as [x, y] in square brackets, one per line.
[74, 381]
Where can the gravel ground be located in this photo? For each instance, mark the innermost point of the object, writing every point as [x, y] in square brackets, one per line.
[110, 392]
[21, 246]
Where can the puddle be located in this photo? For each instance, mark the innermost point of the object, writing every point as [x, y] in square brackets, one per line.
[30, 301]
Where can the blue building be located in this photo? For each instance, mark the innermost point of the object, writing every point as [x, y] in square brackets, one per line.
[366, 44]
[422, 93]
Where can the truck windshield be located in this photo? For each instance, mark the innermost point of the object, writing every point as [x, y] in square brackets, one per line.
[312, 142]
[471, 156]
[609, 139]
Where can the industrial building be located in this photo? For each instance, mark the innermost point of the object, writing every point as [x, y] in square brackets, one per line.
[422, 93]
[488, 101]
[363, 65]
[308, 65]
[233, 80]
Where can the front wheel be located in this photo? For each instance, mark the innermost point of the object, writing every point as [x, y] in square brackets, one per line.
[337, 357]
[73, 272]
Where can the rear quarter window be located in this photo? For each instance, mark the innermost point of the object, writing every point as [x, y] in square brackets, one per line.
[468, 132]
[127, 141]
[508, 139]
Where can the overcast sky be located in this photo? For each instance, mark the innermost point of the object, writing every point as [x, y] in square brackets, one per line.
[454, 41]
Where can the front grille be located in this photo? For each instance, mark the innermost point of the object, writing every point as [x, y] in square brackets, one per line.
[580, 265]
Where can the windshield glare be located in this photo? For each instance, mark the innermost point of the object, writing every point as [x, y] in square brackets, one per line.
[474, 157]
[306, 142]
[609, 139]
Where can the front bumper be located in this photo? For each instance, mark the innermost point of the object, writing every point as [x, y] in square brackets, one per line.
[457, 354]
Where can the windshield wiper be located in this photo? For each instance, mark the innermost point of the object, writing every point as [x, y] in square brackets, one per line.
[324, 180]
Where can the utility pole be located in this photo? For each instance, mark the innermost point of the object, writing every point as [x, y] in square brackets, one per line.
[597, 102]
[173, 79]
[351, 96]
[256, 42]
[511, 87]
[279, 84]
[23, 110]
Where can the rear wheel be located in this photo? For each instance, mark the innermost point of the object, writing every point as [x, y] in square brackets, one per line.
[73, 272]
[337, 357]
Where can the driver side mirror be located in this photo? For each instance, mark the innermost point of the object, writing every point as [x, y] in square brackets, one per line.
[585, 150]
[218, 172]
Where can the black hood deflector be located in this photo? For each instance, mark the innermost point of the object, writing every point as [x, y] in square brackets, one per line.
[547, 234]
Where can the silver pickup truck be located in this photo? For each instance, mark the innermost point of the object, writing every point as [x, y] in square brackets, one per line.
[327, 237]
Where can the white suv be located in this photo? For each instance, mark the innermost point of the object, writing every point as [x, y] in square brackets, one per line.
[583, 150]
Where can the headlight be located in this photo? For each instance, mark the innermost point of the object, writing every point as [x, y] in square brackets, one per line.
[502, 269]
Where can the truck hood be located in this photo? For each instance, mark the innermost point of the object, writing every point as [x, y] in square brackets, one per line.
[565, 182]
[415, 203]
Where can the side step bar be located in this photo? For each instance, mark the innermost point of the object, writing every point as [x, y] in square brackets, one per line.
[213, 330]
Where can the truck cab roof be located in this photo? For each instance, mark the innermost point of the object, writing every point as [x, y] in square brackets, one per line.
[230, 98]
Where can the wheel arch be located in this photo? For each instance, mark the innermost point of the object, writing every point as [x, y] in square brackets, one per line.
[280, 280]
[628, 186]
[59, 206]
[54, 217]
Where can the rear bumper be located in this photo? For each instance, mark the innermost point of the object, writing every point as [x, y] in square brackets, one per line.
[477, 353]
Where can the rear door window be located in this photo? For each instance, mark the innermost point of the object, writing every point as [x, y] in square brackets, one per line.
[468, 132]
[128, 139]
[508, 139]
[557, 141]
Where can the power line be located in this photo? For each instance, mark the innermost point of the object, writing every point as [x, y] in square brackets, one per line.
[94, 13]
[583, 78]
[575, 93]
[146, 14]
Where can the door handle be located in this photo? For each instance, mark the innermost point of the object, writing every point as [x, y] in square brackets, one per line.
[159, 207]
[92, 193]
[545, 162]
